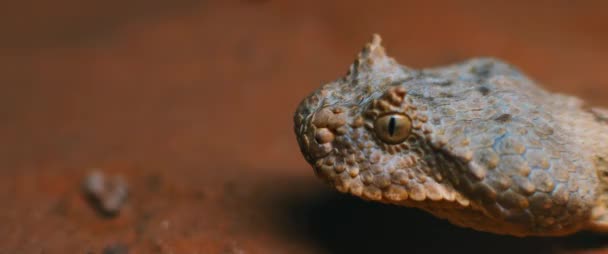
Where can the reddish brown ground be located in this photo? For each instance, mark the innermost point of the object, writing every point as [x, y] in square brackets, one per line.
[192, 101]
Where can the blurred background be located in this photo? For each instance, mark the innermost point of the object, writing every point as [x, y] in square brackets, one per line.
[191, 102]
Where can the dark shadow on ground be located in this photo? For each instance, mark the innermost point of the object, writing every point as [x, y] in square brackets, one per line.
[345, 224]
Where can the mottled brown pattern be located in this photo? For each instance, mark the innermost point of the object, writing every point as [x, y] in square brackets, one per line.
[488, 149]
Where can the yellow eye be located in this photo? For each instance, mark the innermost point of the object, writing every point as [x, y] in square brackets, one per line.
[393, 128]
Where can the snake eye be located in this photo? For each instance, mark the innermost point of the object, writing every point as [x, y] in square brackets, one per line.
[393, 128]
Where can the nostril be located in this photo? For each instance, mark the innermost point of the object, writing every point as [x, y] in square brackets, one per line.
[323, 136]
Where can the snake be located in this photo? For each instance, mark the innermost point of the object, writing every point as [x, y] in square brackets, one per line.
[477, 143]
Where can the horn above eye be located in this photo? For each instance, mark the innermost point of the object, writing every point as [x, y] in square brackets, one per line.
[393, 128]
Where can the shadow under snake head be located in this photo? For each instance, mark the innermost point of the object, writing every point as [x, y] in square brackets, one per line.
[477, 143]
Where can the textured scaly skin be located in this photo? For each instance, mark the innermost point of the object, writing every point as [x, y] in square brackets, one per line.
[489, 149]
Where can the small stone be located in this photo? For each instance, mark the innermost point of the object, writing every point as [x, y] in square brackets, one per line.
[108, 195]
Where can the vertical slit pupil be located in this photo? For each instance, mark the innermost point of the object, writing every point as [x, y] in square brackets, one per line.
[391, 125]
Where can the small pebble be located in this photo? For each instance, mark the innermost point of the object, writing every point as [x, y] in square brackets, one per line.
[108, 194]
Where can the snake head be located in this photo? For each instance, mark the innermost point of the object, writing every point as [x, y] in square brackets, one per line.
[477, 143]
[364, 136]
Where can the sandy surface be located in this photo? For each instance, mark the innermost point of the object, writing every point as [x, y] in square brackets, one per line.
[192, 102]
